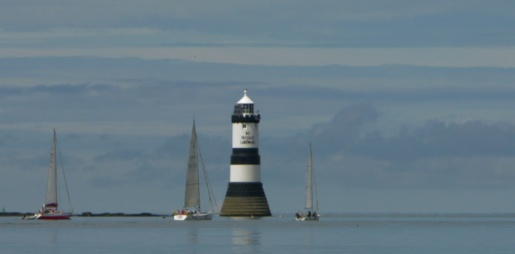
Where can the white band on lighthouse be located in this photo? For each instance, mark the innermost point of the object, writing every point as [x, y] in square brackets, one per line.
[245, 135]
[245, 173]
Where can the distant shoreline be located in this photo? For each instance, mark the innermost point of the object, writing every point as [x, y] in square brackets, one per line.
[89, 214]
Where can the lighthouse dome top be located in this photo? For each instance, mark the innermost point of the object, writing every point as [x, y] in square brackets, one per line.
[245, 99]
[244, 110]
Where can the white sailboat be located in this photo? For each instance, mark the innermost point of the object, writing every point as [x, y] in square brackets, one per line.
[311, 194]
[192, 209]
[50, 210]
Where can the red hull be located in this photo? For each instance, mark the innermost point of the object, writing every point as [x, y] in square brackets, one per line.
[54, 217]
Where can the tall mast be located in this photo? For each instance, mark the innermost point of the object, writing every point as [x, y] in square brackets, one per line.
[309, 181]
[51, 193]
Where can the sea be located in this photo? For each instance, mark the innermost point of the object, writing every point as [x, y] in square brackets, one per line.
[334, 233]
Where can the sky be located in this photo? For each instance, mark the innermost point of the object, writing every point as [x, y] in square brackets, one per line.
[408, 104]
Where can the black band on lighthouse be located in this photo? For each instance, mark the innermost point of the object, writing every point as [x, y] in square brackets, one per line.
[245, 190]
[245, 119]
[248, 156]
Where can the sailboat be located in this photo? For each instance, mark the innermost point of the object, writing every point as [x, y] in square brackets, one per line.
[192, 209]
[311, 193]
[50, 211]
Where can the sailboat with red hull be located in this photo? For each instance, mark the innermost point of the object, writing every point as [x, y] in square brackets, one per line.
[50, 211]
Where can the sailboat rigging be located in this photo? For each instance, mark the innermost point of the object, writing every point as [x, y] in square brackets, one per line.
[192, 209]
[50, 211]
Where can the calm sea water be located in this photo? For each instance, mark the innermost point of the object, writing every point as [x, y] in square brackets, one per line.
[334, 233]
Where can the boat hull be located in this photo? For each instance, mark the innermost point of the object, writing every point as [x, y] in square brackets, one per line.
[307, 219]
[200, 216]
[39, 216]
[315, 217]
[64, 216]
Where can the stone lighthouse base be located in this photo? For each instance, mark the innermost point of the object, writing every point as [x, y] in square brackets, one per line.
[245, 200]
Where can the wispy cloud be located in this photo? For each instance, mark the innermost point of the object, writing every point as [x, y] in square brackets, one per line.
[431, 57]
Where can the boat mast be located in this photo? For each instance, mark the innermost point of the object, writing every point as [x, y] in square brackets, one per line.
[309, 182]
[51, 193]
[314, 179]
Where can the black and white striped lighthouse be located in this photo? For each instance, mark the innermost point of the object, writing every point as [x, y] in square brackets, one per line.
[245, 195]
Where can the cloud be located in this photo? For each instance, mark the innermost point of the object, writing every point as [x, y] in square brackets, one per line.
[295, 56]
[345, 127]
[333, 24]
[440, 139]
[437, 154]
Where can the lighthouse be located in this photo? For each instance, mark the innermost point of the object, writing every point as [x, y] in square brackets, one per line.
[245, 195]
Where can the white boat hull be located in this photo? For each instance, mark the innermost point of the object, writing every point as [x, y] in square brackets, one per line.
[307, 219]
[199, 216]
[30, 217]
[311, 218]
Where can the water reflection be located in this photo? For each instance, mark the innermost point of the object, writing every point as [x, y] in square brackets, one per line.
[52, 236]
[193, 235]
[247, 238]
